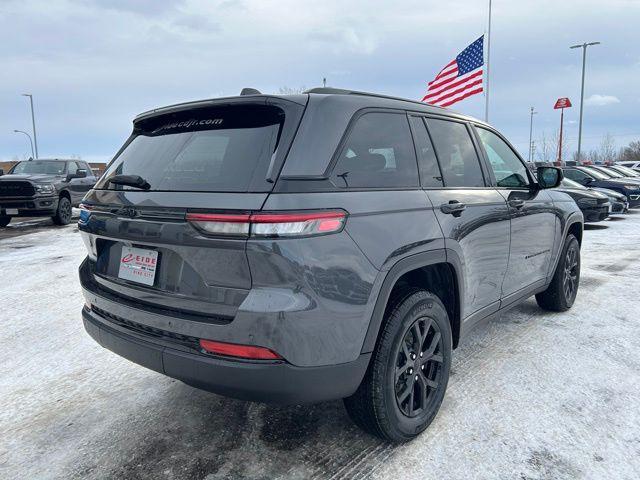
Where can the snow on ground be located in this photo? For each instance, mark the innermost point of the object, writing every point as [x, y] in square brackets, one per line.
[23, 225]
[532, 395]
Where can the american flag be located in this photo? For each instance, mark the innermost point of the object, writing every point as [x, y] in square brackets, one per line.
[459, 79]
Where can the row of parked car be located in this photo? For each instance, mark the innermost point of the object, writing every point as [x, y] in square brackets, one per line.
[632, 164]
[51, 187]
[601, 191]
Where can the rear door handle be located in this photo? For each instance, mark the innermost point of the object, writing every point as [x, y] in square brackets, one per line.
[454, 208]
[518, 203]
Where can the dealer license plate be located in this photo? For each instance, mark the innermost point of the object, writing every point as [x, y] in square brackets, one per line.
[138, 265]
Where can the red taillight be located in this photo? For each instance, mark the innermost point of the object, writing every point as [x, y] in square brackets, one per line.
[221, 224]
[270, 224]
[296, 224]
[240, 351]
[329, 225]
[294, 217]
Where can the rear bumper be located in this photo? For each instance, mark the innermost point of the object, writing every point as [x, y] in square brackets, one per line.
[311, 316]
[29, 206]
[262, 381]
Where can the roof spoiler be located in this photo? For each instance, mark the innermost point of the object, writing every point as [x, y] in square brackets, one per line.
[331, 90]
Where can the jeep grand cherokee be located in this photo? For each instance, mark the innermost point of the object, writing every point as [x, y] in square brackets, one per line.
[326, 245]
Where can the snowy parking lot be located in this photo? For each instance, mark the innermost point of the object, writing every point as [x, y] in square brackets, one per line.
[533, 395]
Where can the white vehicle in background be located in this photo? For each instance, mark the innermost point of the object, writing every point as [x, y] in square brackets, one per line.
[631, 164]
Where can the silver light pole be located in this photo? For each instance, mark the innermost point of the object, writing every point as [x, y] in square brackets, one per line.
[486, 93]
[584, 61]
[30, 141]
[533, 112]
[33, 122]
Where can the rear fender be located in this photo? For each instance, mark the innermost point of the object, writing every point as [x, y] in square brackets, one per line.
[403, 266]
[573, 219]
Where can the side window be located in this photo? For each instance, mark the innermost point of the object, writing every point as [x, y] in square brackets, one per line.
[378, 153]
[456, 153]
[72, 167]
[509, 171]
[429, 170]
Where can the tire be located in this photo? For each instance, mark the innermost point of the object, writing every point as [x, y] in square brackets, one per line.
[561, 292]
[381, 405]
[4, 221]
[63, 213]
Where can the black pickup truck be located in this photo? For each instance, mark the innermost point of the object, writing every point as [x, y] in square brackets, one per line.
[44, 188]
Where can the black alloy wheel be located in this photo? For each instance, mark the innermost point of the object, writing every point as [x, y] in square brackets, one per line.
[407, 377]
[418, 367]
[63, 213]
[571, 271]
[563, 289]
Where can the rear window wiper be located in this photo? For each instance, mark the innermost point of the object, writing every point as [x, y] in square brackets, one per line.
[131, 181]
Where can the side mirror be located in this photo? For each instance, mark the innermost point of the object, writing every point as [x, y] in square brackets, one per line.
[80, 173]
[549, 177]
[588, 180]
[1, 172]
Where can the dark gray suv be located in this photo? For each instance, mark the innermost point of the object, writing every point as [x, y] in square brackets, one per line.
[327, 245]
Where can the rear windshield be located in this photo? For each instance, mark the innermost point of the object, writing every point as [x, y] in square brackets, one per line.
[207, 150]
[629, 172]
[607, 172]
[597, 174]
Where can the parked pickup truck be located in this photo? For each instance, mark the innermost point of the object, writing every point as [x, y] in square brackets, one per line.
[44, 188]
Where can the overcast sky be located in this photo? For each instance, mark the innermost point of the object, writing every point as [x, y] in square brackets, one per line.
[92, 65]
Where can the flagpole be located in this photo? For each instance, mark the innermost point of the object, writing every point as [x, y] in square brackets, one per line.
[486, 94]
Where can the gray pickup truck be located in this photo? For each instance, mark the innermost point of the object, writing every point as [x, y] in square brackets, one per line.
[44, 188]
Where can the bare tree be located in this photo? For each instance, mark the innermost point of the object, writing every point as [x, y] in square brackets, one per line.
[607, 149]
[544, 149]
[547, 147]
[593, 156]
[630, 153]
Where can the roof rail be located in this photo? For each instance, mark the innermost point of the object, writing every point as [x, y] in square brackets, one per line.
[342, 91]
